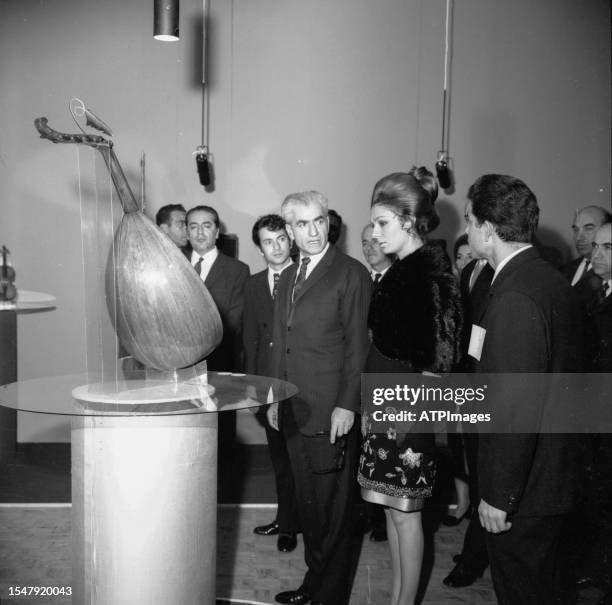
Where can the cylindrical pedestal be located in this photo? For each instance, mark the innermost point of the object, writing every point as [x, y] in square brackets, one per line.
[8, 374]
[144, 509]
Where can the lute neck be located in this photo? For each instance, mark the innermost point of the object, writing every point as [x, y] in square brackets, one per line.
[105, 147]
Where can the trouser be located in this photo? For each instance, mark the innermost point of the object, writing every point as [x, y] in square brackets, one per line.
[287, 514]
[474, 554]
[526, 566]
[325, 500]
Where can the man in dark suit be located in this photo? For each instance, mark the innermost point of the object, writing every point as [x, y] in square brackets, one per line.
[601, 311]
[579, 271]
[528, 481]
[225, 279]
[171, 220]
[474, 280]
[594, 558]
[320, 344]
[379, 261]
[272, 242]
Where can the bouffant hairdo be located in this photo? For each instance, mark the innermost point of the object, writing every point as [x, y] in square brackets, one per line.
[411, 195]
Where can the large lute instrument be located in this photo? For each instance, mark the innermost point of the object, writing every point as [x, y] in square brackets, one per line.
[163, 313]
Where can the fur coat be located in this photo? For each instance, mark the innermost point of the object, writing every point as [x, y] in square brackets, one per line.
[415, 316]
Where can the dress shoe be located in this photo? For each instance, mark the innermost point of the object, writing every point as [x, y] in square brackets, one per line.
[293, 597]
[462, 576]
[585, 581]
[286, 542]
[267, 530]
[379, 534]
[605, 600]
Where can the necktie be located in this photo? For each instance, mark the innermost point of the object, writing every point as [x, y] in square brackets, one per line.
[478, 267]
[377, 277]
[198, 266]
[301, 278]
[276, 277]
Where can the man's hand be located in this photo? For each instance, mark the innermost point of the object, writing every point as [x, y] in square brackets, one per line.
[493, 519]
[341, 423]
[272, 415]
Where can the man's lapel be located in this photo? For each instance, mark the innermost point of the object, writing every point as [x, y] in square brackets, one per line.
[291, 273]
[317, 273]
[216, 271]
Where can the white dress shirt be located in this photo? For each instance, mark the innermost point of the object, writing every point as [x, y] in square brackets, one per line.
[315, 259]
[582, 268]
[373, 273]
[271, 273]
[208, 258]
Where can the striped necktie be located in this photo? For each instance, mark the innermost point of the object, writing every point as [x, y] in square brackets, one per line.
[301, 278]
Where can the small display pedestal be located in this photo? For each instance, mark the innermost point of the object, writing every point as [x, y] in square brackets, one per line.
[26, 302]
[144, 480]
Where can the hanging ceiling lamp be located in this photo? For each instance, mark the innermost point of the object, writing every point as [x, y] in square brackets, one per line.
[166, 20]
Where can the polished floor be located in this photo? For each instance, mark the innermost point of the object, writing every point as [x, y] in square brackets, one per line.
[35, 551]
[35, 539]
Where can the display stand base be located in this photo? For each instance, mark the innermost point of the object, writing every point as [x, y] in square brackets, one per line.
[144, 509]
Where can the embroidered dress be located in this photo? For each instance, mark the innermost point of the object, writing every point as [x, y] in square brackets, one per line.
[415, 322]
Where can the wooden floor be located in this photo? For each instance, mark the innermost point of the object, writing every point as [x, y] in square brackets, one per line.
[35, 550]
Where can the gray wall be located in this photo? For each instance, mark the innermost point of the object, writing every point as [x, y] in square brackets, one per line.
[305, 94]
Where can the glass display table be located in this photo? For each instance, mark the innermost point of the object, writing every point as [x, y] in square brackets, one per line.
[144, 477]
[27, 302]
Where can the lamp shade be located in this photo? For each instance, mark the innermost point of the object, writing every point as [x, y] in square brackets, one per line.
[166, 20]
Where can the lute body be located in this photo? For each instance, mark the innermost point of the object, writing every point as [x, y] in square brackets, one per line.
[162, 311]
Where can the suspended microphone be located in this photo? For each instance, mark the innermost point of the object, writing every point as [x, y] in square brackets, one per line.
[203, 168]
[442, 170]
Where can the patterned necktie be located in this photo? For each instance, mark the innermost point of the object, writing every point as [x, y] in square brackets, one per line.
[198, 266]
[301, 278]
[276, 277]
[377, 277]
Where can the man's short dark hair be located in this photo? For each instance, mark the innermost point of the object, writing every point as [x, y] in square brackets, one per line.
[335, 226]
[508, 204]
[165, 212]
[462, 240]
[273, 222]
[208, 209]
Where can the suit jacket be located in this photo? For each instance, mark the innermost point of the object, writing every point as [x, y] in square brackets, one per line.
[225, 282]
[257, 324]
[474, 302]
[586, 287]
[320, 341]
[532, 325]
[569, 269]
[600, 335]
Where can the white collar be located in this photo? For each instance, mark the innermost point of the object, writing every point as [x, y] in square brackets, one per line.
[508, 259]
[315, 259]
[271, 271]
[208, 257]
